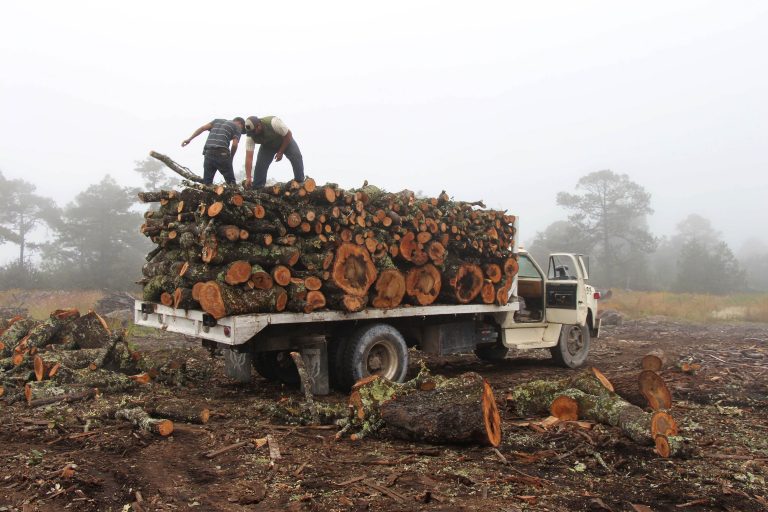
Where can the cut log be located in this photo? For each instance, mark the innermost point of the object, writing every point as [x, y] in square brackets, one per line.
[353, 270]
[140, 419]
[179, 410]
[237, 272]
[220, 300]
[260, 279]
[252, 253]
[89, 331]
[462, 412]
[183, 299]
[654, 360]
[281, 275]
[423, 284]
[389, 289]
[654, 389]
[564, 408]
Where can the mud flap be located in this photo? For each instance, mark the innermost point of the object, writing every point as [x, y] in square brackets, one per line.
[237, 365]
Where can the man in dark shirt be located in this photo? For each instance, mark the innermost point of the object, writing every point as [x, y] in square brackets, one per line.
[218, 156]
[275, 140]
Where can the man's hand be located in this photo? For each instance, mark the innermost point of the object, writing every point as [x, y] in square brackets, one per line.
[248, 182]
[185, 142]
[278, 156]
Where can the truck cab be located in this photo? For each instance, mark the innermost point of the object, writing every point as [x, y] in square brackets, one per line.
[557, 309]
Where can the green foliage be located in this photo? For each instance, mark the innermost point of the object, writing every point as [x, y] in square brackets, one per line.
[97, 242]
[708, 268]
[21, 211]
[607, 221]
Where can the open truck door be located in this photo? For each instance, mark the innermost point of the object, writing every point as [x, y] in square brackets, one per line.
[565, 293]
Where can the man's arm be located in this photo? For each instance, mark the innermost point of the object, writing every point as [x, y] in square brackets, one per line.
[287, 138]
[248, 166]
[200, 130]
[233, 149]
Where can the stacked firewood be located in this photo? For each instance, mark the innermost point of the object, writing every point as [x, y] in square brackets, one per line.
[302, 247]
[70, 357]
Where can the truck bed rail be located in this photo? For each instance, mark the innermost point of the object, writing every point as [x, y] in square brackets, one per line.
[236, 330]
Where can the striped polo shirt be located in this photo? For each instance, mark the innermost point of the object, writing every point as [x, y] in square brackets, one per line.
[221, 134]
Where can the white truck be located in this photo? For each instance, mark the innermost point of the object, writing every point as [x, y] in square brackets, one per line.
[556, 310]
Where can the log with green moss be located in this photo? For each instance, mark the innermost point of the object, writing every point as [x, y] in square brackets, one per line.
[139, 418]
[220, 300]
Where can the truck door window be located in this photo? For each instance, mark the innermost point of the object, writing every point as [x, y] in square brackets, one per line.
[561, 268]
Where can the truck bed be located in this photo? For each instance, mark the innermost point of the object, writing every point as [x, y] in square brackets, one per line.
[236, 330]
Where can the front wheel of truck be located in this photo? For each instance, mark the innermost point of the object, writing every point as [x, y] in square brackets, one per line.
[573, 347]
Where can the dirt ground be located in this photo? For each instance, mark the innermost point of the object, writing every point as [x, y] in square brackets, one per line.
[721, 408]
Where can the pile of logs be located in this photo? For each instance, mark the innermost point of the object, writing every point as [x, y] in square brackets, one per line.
[70, 357]
[301, 247]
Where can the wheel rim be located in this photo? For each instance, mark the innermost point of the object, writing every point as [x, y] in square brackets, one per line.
[381, 359]
[575, 341]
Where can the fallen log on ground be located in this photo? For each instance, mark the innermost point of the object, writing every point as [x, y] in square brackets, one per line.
[140, 419]
[428, 408]
[589, 395]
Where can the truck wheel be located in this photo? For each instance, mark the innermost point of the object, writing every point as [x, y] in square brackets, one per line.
[376, 349]
[237, 365]
[495, 352]
[573, 347]
[276, 365]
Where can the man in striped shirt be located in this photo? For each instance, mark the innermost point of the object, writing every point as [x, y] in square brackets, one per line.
[218, 155]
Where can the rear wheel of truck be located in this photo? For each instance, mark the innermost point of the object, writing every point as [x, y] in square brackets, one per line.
[573, 347]
[376, 349]
[237, 365]
[277, 365]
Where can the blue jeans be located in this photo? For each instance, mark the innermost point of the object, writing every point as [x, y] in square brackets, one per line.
[218, 161]
[265, 157]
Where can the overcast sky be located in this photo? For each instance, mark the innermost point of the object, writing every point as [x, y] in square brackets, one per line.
[509, 102]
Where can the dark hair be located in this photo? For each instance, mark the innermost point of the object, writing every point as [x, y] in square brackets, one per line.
[242, 121]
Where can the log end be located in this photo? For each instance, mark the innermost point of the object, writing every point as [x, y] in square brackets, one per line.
[164, 427]
[491, 415]
[654, 390]
[565, 408]
[39, 366]
[662, 423]
[205, 415]
[600, 376]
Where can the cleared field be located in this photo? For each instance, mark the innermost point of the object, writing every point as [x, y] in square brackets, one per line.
[690, 306]
[40, 303]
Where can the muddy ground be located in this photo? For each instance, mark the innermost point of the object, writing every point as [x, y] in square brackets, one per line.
[722, 409]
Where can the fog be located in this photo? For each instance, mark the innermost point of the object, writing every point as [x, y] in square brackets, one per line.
[510, 102]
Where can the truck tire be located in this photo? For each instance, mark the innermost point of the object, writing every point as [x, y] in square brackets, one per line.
[573, 347]
[374, 349]
[237, 365]
[495, 352]
[277, 366]
[336, 348]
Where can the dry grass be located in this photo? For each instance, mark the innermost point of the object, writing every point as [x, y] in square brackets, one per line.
[40, 303]
[690, 306]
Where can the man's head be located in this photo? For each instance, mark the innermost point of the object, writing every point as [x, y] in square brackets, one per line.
[240, 122]
[253, 125]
